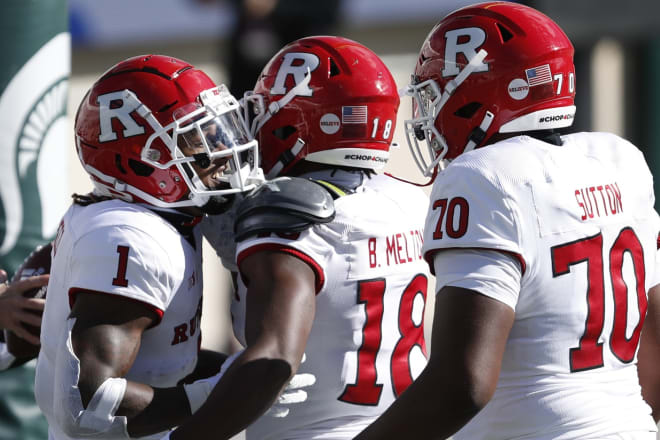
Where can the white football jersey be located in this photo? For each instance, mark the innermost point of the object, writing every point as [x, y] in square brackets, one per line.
[367, 341]
[124, 249]
[580, 219]
[218, 230]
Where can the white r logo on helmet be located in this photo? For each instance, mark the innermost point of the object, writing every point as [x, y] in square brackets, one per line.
[309, 61]
[475, 38]
[129, 103]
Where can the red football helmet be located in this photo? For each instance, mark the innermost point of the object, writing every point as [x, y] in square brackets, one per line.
[489, 68]
[150, 122]
[324, 99]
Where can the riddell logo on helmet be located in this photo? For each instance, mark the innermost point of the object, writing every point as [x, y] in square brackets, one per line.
[555, 118]
[365, 157]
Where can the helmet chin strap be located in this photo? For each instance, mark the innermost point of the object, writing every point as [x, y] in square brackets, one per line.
[286, 158]
[276, 106]
[452, 85]
[479, 133]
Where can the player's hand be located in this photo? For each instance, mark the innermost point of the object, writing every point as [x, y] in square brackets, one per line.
[15, 308]
[199, 390]
[293, 394]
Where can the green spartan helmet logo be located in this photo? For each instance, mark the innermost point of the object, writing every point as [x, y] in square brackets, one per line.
[34, 150]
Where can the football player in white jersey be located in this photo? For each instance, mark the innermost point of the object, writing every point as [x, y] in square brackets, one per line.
[330, 263]
[544, 246]
[120, 334]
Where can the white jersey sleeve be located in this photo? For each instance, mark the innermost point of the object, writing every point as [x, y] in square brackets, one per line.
[307, 245]
[471, 210]
[494, 272]
[121, 260]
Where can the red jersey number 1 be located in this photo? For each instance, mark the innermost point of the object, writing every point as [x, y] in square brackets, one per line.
[120, 280]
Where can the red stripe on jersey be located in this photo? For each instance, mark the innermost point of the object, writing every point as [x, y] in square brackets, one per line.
[75, 291]
[658, 242]
[318, 270]
[428, 256]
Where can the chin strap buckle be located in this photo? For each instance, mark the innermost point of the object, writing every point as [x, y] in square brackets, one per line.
[479, 133]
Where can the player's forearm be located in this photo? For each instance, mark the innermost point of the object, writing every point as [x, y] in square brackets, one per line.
[208, 364]
[156, 409]
[243, 394]
[147, 410]
[428, 409]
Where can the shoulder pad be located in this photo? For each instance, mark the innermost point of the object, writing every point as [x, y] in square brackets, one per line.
[284, 204]
[335, 190]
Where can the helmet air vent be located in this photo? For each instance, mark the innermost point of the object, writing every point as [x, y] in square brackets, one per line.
[505, 33]
[180, 71]
[140, 168]
[118, 164]
[284, 132]
[468, 110]
[167, 107]
[334, 70]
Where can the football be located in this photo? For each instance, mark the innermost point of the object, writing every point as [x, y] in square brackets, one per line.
[37, 263]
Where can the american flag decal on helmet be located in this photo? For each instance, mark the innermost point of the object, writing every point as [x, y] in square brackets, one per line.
[354, 114]
[538, 75]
